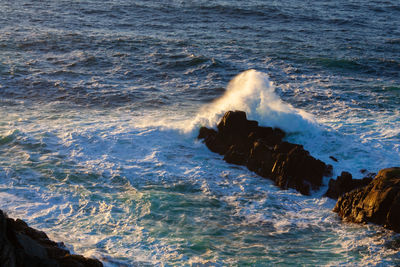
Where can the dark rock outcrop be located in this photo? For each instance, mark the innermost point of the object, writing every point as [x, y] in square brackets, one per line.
[21, 245]
[262, 150]
[378, 202]
[345, 183]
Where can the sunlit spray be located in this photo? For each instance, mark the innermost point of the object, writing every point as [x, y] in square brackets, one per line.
[253, 92]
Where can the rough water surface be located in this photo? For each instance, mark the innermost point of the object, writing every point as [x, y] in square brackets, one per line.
[100, 103]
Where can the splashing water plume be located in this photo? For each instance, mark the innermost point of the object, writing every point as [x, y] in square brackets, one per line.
[253, 92]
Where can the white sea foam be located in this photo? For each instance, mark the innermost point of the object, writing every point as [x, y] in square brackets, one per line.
[126, 186]
[253, 92]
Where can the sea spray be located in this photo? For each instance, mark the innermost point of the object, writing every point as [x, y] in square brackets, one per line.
[100, 91]
[253, 92]
[250, 91]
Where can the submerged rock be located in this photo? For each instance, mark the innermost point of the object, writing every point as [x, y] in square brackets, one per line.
[345, 183]
[262, 150]
[333, 158]
[21, 245]
[378, 202]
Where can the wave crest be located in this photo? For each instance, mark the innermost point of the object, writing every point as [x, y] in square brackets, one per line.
[253, 92]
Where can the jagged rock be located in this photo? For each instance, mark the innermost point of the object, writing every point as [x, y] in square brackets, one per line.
[297, 169]
[235, 155]
[212, 140]
[21, 245]
[260, 158]
[345, 183]
[268, 134]
[262, 150]
[368, 174]
[235, 123]
[328, 170]
[378, 202]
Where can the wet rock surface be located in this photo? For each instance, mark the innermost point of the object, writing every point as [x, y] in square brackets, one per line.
[262, 150]
[378, 202]
[344, 184]
[21, 245]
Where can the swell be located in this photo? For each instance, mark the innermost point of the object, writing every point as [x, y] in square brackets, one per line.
[98, 70]
[375, 66]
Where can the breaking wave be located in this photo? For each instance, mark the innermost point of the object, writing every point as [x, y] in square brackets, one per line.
[253, 92]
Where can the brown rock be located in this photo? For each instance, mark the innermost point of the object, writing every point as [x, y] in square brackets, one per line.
[345, 183]
[268, 135]
[213, 141]
[378, 202]
[260, 156]
[298, 170]
[262, 150]
[235, 123]
[21, 245]
[235, 155]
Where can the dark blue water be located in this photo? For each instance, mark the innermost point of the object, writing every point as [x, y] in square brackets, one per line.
[100, 102]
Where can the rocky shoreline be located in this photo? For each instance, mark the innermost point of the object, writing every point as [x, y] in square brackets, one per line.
[21, 245]
[262, 150]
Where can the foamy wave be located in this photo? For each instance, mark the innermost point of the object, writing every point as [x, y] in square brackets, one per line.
[250, 91]
[253, 92]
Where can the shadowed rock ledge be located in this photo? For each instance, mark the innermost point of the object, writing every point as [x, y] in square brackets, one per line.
[378, 202]
[21, 245]
[344, 184]
[262, 150]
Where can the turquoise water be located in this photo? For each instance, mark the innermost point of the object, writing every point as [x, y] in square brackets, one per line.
[100, 103]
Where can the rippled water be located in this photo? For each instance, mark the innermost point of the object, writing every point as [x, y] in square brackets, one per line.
[100, 102]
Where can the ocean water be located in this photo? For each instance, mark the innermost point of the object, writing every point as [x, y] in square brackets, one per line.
[101, 101]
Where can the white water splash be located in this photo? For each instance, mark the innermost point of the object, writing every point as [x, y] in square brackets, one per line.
[253, 92]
